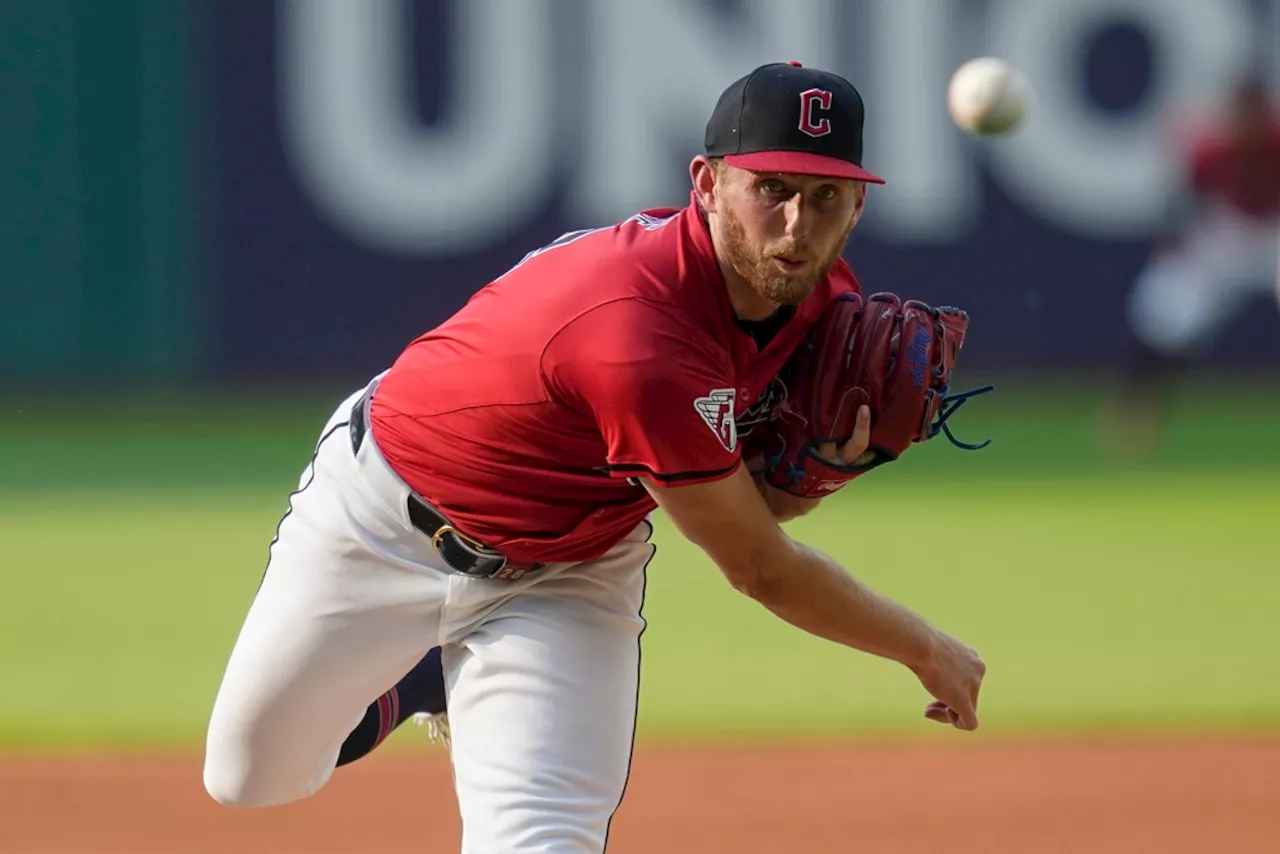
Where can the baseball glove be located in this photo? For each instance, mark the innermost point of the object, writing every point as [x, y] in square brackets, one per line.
[894, 356]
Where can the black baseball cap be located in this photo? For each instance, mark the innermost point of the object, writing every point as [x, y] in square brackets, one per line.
[783, 117]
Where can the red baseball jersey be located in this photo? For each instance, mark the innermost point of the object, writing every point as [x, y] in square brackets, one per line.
[610, 355]
[1246, 178]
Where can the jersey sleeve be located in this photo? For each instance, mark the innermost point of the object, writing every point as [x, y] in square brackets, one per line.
[659, 390]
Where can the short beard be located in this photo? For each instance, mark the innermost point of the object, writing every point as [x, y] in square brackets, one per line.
[759, 271]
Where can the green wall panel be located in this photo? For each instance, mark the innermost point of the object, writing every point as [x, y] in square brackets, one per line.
[97, 185]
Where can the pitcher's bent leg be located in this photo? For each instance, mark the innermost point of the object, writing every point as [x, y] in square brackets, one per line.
[542, 705]
[335, 623]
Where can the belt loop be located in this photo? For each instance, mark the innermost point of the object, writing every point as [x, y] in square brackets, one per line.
[359, 420]
[356, 425]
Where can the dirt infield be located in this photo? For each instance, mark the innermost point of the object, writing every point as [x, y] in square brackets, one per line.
[1099, 797]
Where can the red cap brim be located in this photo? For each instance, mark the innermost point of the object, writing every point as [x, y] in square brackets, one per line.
[801, 163]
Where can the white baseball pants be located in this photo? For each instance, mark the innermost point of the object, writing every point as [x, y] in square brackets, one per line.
[542, 672]
[1185, 297]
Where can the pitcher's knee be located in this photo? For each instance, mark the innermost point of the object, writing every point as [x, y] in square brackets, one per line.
[231, 790]
[242, 787]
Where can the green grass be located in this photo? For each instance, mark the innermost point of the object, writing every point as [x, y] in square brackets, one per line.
[1103, 597]
[121, 609]
[1145, 604]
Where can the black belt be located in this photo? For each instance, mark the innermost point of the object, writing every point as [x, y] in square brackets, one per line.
[463, 554]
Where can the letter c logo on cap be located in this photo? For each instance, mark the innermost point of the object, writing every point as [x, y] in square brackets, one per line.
[812, 100]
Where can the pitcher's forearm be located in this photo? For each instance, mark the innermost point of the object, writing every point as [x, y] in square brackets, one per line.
[818, 595]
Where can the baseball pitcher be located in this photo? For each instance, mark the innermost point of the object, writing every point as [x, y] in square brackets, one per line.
[473, 527]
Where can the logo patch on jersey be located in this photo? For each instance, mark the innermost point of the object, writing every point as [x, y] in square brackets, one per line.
[716, 410]
[811, 102]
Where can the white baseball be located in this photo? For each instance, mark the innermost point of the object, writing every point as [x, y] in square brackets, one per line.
[987, 96]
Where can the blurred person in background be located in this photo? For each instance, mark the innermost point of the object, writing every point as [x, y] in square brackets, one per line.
[1217, 256]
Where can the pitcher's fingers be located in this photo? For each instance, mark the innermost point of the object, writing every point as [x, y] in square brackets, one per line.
[973, 698]
[966, 717]
[938, 712]
[860, 441]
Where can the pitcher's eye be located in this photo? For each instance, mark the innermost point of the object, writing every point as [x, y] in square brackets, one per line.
[827, 192]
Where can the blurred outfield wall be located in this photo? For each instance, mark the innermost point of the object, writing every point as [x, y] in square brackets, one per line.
[102, 220]
[230, 189]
